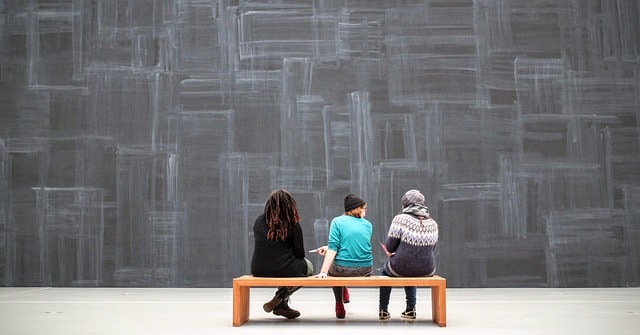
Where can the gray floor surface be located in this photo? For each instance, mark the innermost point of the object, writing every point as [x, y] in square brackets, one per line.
[69, 311]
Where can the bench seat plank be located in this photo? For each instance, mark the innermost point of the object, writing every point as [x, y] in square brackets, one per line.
[242, 286]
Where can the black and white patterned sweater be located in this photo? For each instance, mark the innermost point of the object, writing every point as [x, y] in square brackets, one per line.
[412, 239]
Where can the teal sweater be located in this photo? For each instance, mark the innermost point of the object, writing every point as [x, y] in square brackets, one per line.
[350, 238]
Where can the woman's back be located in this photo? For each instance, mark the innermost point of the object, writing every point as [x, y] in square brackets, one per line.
[350, 237]
[413, 241]
[276, 258]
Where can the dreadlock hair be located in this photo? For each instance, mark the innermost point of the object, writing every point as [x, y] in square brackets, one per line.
[280, 211]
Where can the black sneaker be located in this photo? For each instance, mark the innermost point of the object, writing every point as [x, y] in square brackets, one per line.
[284, 310]
[272, 304]
[384, 315]
[408, 315]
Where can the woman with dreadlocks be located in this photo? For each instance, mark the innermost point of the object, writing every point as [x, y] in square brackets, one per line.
[279, 249]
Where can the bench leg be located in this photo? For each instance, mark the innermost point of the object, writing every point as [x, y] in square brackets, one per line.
[439, 305]
[241, 296]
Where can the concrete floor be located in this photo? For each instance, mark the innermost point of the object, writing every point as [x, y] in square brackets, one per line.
[69, 311]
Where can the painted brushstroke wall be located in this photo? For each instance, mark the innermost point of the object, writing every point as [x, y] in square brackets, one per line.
[139, 139]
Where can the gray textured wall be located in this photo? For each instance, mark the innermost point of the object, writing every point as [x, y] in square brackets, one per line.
[140, 138]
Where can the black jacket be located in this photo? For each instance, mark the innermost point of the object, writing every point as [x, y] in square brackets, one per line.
[278, 258]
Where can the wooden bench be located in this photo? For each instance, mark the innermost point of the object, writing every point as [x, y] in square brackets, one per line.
[242, 288]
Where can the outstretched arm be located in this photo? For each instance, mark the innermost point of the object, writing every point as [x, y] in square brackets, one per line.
[329, 256]
[321, 251]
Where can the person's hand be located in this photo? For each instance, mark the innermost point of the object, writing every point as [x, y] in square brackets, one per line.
[321, 275]
[322, 250]
[384, 248]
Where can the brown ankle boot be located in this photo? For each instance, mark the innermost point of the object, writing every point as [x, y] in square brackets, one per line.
[284, 310]
[272, 304]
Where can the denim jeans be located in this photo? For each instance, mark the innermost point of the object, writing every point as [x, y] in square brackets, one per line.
[385, 293]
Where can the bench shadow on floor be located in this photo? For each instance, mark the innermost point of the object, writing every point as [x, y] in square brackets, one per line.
[357, 322]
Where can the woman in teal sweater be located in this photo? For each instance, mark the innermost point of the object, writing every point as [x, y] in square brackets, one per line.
[348, 251]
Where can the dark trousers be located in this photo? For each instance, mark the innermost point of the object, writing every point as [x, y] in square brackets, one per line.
[284, 292]
[347, 271]
[385, 294]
